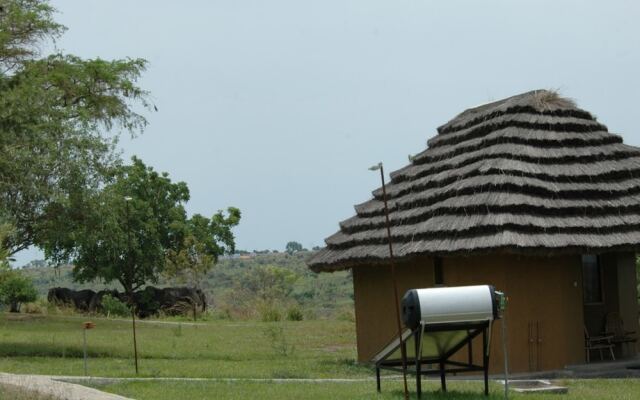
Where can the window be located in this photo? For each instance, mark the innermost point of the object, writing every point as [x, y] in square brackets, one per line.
[438, 275]
[591, 279]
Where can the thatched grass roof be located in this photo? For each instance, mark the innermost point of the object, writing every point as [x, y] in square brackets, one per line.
[531, 174]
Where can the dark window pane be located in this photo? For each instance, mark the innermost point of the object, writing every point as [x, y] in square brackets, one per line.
[438, 275]
[591, 279]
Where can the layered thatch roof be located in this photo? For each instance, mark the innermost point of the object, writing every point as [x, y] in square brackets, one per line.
[528, 174]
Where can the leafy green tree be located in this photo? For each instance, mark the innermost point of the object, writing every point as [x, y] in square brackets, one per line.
[125, 231]
[57, 114]
[5, 231]
[204, 241]
[293, 247]
[16, 289]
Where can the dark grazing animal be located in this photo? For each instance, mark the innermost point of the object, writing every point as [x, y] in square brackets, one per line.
[149, 301]
[59, 296]
[80, 299]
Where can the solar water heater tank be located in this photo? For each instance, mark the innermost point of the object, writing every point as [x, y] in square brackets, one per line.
[448, 305]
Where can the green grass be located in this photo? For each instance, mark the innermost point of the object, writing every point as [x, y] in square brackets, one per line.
[53, 345]
[229, 349]
[598, 389]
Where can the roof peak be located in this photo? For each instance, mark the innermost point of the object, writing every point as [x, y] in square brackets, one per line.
[541, 100]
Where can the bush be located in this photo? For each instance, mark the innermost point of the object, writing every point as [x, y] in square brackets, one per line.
[270, 314]
[276, 335]
[294, 314]
[16, 289]
[112, 306]
[37, 307]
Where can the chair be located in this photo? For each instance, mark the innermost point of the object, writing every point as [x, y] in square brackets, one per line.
[597, 343]
[614, 326]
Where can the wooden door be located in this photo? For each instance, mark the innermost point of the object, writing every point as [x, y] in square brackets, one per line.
[535, 344]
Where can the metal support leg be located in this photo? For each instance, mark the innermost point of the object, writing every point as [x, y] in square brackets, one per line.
[443, 381]
[485, 361]
[378, 379]
[418, 349]
[470, 348]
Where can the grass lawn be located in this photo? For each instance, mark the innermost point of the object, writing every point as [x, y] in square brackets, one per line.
[597, 389]
[305, 349]
[228, 349]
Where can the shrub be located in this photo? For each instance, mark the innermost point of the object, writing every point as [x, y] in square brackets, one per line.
[112, 306]
[276, 335]
[16, 289]
[270, 314]
[37, 307]
[294, 314]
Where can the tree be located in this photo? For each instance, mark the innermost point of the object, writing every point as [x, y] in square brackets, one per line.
[124, 232]
[16, 289]
[5, 230]
[204, 241]
[57, 111]
[293, 247]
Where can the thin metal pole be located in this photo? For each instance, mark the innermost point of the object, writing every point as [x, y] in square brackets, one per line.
[135, 344]
[505, 355]
[84, 336]
[132, 300]
[403, 351]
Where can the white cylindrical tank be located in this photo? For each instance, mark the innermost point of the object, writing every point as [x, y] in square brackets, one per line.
[450, 305]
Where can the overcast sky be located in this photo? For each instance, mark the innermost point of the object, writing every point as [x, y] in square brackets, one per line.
[279, 107]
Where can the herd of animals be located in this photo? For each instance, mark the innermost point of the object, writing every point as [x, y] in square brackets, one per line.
[150, 301]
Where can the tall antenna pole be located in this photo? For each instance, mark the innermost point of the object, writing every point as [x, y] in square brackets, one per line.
[403, 350]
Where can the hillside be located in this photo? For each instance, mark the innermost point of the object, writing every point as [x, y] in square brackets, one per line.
[243, 286]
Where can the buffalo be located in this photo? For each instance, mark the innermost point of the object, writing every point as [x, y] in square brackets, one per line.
[80, 299]
[149, 301]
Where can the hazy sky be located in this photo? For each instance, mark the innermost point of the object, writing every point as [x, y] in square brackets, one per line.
[279, 107]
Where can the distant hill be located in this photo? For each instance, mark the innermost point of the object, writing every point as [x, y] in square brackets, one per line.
[241, 283]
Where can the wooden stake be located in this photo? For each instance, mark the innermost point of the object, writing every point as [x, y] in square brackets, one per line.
[403, 351]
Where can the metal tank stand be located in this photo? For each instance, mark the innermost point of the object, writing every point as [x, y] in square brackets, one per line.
[435, 345]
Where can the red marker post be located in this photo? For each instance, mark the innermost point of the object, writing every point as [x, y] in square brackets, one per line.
[86, 326]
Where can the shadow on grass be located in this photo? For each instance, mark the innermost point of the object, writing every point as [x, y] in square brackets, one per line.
[439, 395]
[52, 350]
[285, 374]
[347, 364]
[9, 349]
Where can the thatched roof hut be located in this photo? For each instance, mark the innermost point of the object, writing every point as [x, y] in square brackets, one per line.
[530, 174]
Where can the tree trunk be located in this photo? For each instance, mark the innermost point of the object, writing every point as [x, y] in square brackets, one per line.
[14, 307]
